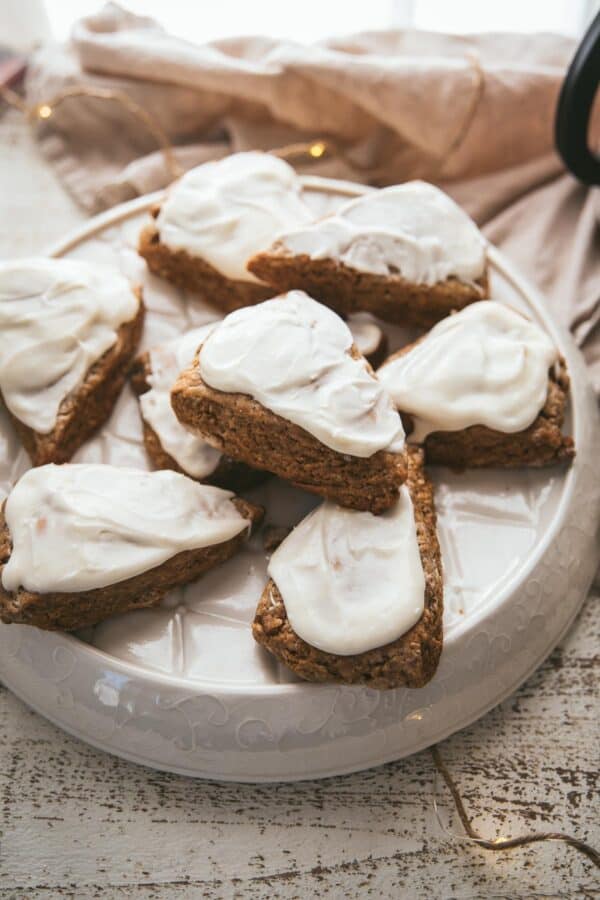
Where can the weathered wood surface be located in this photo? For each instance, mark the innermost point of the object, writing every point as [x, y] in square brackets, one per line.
[78, 823]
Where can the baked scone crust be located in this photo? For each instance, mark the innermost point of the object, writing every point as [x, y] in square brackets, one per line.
[68, 611]
[541, 444]
[389, 297]
[192, 273]
[87, 407]
[235, 476]
[247, 431]
[409, 661]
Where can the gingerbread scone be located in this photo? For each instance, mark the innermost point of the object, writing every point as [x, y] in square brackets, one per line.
[80, 543]
[69, 331]
[168, 444]
[282, 387]
[407, 253]
[357, 598]
[484, 388]
[215, 218]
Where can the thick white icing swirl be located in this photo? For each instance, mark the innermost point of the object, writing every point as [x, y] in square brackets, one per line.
[195, 456]
[351, 581]
[413, 229]
[291, 354]
[226, 211]
[80, 527]
[57, 318]
[487, 365]
[366, 333]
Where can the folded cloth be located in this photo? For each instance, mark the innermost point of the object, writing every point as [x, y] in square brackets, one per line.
[472, 113]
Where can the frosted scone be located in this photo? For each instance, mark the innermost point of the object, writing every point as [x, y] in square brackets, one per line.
[80, 543]
[281, 386]
[408, 254]
[215, 218]
[69, 330]
[168, 444]
[357, 598]
[485, 387]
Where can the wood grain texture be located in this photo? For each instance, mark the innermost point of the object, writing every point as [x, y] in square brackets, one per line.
[76, 822]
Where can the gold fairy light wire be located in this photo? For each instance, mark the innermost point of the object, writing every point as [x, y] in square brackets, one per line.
[44, 110]
[314, 150]
[497, 844]
[319, 148]
[308, 152]
[478, 88]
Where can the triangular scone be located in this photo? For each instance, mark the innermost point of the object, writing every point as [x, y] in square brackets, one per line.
[80, 543]
[69, 330]
[362, 569]
[168, 444]
[406, 253]
[215, 218]
[281, 386]
[484, 388]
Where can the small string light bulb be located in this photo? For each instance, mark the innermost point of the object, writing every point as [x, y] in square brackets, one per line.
[317, 150]
[44, 111]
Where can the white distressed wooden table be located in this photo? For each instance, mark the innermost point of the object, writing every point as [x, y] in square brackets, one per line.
[78, 823]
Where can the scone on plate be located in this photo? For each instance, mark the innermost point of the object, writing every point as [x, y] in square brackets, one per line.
[407, 253]
[69, 330]
[485, 387]
[357, 598]
[80, 543]
[215, 218]
[168, 444]
[281, 387]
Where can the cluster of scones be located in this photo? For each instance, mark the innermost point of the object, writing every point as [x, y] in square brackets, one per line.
[291, 382]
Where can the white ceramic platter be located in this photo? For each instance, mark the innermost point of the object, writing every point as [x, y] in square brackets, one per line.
[185, 688]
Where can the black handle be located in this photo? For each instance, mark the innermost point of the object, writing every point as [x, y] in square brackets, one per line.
[575, 107]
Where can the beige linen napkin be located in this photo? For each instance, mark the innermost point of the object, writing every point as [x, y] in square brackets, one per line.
[474, 114]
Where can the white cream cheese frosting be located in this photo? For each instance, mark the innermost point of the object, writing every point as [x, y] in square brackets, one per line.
[80, 527]
[291, 354]
[351, 581]
[57, 318]
[191, 453]
[486, 365]
[226, 211]
[366, 333]
[412, 229]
